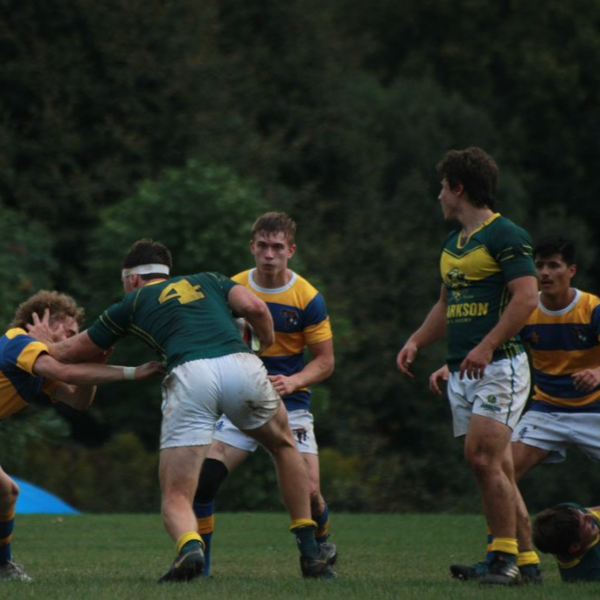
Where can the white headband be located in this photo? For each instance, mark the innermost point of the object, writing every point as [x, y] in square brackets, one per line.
[145, 270]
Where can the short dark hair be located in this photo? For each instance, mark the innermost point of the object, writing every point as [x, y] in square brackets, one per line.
[60, 306]
[555, 244]
[275, 222]
[556, 528]
[475, 170]
[148, 252]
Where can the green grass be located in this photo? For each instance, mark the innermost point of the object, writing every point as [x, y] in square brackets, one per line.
[391, 557]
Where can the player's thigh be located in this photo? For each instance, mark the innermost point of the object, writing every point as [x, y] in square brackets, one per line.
[190, 405]
[230, 435]
[275, 433]
[230, 456]
[248, 397]
[486, 441]
[525, 457]
[585, 428]
[179, 469]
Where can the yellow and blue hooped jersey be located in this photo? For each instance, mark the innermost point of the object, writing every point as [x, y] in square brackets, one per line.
[18, 384]
[300, 319]
[475, 273]
[561, 343]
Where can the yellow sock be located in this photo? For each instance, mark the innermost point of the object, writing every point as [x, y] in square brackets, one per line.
[184, 538]
[528, 558]
[506, 545]
[297, 523]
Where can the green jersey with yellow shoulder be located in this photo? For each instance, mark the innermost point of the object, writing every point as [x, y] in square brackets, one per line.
[182, 318]
[476, 271]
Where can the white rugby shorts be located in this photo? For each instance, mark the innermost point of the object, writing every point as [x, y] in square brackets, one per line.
[301, 424]
[556, 431]
[500, 395]
[196, 393]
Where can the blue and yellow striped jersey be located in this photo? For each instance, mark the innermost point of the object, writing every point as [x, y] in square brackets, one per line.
[18, 384]
[475, 273]
[561, 343]
[300, 319]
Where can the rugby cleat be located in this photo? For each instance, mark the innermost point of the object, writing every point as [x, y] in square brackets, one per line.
[469, 572]
[330, 551]
[11, 571]
[531, 574]
[318, 567]
[188, 565]
[502, 572]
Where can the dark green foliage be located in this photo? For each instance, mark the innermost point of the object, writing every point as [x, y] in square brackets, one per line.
[184, 121]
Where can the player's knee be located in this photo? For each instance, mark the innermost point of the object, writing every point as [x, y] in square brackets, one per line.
[8, 496]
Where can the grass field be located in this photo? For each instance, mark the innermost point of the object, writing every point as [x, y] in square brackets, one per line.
[112, 557]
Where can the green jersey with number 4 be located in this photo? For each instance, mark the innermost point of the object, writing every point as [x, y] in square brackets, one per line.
[183, 318]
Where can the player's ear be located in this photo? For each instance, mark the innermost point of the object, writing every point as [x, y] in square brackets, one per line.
[574, 548]
[291, 250]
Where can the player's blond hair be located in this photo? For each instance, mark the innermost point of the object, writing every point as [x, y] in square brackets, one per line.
[60, 306]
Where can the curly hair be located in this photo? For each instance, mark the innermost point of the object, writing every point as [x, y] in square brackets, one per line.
[475, 170]
[60, 305]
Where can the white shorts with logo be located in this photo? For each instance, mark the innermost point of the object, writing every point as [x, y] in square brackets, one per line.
[196, 393]
[500, 395]
[301, 424]
[556, 431]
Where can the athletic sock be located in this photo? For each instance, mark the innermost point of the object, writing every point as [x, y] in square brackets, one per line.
[322, 522]
[304, 530]
[490, 540]
[212, 475]
[527, 558]
[188, 541]
[205, 515]
[507, 548]
[7, 524]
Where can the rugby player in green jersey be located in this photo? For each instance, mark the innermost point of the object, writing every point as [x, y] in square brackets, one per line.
[571, 532]
[488, 291]
[29, 374]
[210, 372]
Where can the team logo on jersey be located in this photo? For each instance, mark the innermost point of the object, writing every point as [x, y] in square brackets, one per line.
[457, 280]
[292, 318]
[581, 336]
[491, 404]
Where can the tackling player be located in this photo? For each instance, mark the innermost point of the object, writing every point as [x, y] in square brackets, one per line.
[300, 318]
[28, 373]
[210, 371]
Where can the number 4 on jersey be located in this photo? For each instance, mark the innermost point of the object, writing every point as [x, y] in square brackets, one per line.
[181, 290]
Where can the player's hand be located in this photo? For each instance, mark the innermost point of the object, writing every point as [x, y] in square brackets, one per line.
[283, 385]
[438, 377]
[586, 381]
[42, 331]
[406, 357]
[149, 370]
[476, 361]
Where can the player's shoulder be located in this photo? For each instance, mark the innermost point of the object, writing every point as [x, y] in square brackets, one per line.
[502, 225]
[242, 277]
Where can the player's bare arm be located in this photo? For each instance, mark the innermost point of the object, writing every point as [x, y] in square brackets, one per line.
[245, 304]
[432, 329]
[524, 299]
[586, 380]
[318, 369]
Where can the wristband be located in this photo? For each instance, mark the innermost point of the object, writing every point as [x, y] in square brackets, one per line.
[129, 373]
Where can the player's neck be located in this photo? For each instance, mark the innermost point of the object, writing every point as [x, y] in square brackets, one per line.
[272, 280]
[472, 218]
[559, 300]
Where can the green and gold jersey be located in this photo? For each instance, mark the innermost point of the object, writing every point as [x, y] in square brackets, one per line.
[183, 318]
[586, 567]
[476, 273]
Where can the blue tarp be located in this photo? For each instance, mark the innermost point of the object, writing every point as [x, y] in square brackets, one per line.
[33, 499]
